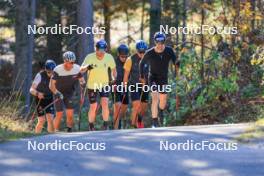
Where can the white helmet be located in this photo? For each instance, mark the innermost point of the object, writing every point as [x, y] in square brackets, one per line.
[69, 56]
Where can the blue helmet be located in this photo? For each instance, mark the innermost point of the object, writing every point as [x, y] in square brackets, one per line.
[69, 56]
[141, 46]
[101, 45]
[123, 49]
[159, 37]
[50, 65]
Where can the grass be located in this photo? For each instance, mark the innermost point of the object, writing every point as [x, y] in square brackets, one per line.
[12, 125]
[11, 129]
[253, 133]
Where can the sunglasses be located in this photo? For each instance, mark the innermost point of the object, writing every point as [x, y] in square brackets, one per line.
[123, 56]
[141, 52]
[49, 72]
[160, 42]
[101, 50]
[70, 63]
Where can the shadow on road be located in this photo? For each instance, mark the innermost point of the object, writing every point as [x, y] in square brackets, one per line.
[133, 152]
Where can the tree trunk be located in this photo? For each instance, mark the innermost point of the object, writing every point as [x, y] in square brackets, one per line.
[21, 43]
[155, 15]
[85, 19]
[23, 48]
[167, 19]
[184, 19]
[177, 19]
[202, 44]
[142, 20]
[30, 54]
[128, 27]
[107, 21]
[253, 8]
[54, 42]
[261, 9]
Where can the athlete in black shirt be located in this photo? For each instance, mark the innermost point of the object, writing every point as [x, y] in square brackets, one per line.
[158, 59]
[121, 98]
[40, 89]
[132, 77]
[62, 84]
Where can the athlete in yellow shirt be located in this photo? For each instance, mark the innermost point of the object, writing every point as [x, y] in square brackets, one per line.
[98, 80]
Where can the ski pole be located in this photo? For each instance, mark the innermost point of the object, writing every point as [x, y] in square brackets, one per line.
[139, 106]
[119, 110]
[82, 100]
[33, 116]
[114, 101]
[81, 105]
[177, 100]
[44, 109]
[140, 99]
[52, 103]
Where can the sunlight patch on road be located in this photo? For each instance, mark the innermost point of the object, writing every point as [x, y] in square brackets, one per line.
[220, 140]
[129, 138]
[116, 159]
[159, 134]
[139, 170]
[132, 149]
[29, 173]
[202, 168]
[214, 172]
[194, 163]
[15, 161]
[95, 165]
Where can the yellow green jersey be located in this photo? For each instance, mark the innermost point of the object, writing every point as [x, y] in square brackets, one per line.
[99, 74]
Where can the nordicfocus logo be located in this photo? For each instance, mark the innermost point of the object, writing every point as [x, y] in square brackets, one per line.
[190, 145]
[132, 88]
[68, 30]
[58, 145]
[204, 29]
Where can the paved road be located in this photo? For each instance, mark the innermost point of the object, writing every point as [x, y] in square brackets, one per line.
[135, 152]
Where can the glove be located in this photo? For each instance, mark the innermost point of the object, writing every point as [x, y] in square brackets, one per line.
[90, 67]
[47, 96]
[40, 95]
[83, 85]
[113, 82]
[58, 95]
[78, 76]
[142, 80]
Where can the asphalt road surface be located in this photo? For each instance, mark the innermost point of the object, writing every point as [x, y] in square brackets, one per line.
[160, 151]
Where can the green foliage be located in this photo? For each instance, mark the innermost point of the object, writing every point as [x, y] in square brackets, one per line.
[249, 91]
[215, 83]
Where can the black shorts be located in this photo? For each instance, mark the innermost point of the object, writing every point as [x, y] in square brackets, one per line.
[43, 103]
[92, 95]
[67, 102]
[158, 84]
[139, 95]
[145, 97]
[122, 97]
